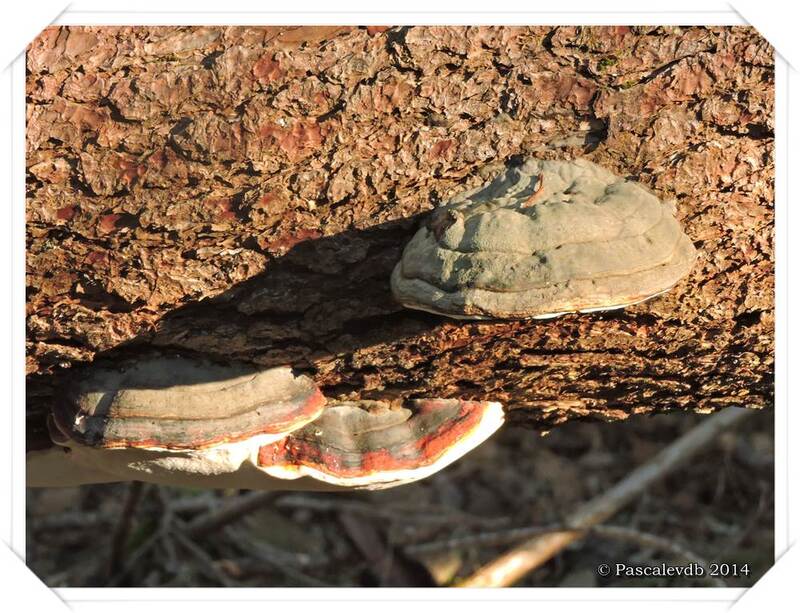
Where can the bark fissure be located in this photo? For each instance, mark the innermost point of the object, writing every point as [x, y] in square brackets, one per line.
[245, 193]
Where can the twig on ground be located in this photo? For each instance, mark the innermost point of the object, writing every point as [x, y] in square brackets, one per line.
[123, 529]
[193, 505]
[160, 536]
[252, 565]
[70, 520]
[510, 567]
[482, 539]
[748, 527]
[206, 562]
[229, 512]
[134, 558]
[166, 528]
[274, 554]
[646, 539]
[283, 561]
[503, 537]
[412, 514]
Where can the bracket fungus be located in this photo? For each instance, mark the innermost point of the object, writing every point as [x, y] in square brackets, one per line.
[182, 421]
[178, 403]
[541, 240]
[372, 445]
[169, 420]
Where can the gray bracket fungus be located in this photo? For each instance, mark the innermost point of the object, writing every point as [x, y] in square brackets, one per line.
[182, 421]
[544, 239]
[181, 403]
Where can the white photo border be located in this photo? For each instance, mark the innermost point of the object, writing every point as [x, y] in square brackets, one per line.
[12, 517]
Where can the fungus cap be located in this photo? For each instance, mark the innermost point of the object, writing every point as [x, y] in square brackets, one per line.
[181, 403]
[543, 239]
[372, 445]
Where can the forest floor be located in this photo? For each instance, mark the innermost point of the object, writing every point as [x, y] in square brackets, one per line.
[719, 507]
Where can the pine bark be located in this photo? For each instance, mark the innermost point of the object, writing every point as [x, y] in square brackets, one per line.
[244, 192]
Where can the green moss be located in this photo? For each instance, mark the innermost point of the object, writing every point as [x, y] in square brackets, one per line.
[605, 63]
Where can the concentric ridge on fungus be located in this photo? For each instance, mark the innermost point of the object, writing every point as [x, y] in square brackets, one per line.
[544, 239]
[181, 421]
[371, 445]
[182, 403]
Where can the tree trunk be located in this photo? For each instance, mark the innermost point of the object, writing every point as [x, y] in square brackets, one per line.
[244, 192]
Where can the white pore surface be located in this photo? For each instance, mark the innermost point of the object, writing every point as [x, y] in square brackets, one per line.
[225, 465]
[492, 419]
[55, 468]
[230, 465]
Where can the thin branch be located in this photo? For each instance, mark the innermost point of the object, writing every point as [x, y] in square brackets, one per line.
[482, 539]
[71, 520]
[160, 536]
[166, 528]
[267, 551]
[284, 562]
[512, 566]
[645, 539]
[503, 537]
[230, 512]
[123, 529]
[193, 505]
[206, 561]
[406, 514]
[133, 559]
[253, 565]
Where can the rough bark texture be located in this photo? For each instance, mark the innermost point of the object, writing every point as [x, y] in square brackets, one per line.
[245, 192]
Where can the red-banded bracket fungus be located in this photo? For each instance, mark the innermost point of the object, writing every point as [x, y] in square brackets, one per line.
[190, 422]
[544, 239]
[179, 403]
[170, 420]
[371, 445]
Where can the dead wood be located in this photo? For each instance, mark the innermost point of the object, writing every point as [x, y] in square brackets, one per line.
[244, 192]
[513, 565]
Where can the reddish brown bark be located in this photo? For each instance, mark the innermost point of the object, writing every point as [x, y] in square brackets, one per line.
[244, 192]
